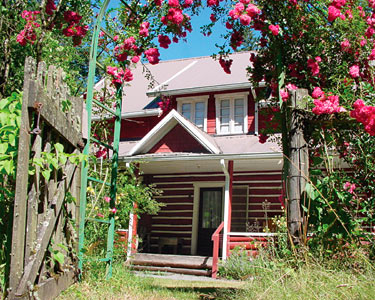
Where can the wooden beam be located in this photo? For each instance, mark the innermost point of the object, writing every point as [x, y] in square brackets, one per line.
[297, 168]
[20, 199]
[53, 115]
[45, 230]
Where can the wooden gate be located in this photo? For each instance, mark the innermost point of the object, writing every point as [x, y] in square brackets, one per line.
[44, 241]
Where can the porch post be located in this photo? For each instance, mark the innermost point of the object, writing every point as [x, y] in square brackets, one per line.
[230, 170]
[132, 232]
[227, 204]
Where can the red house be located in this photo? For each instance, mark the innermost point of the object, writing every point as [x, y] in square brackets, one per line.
[203, 152]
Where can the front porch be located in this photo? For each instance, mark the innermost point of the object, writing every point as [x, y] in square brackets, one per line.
[241, 195]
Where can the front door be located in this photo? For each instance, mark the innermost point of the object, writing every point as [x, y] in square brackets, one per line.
[210, 217]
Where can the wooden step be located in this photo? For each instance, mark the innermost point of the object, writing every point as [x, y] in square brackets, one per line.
[196, 272]
[173, 261]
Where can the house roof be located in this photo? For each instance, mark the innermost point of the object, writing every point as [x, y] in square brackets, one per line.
[181, 76]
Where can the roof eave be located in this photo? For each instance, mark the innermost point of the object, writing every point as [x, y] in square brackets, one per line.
[229, 156]
[203, 89]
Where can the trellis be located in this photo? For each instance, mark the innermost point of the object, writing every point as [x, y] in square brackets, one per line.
[85, 178]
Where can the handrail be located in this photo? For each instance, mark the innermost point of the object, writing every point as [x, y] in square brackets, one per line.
[255, 234]
[215, 255]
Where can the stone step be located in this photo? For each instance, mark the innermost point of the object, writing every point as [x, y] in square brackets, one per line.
[196, 272]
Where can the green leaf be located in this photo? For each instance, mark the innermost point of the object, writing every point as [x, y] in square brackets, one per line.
[12, 139]
[3, 148]
[55, 163]
[63, 159]
[59, 148]
[311, 192]
[58, 256]
[46, 174]
[62, 246]
[317, 160]
[8, 166]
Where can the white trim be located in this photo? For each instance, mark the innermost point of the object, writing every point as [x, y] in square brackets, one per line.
[232, 97]
[174, 211]
[256, 111]
[245, 156]
[143, 113]
[213, 175]
[205, 89]
[171, 196]
[192, 101]
[195, 223]
[226, 209]
[163, 127]
[169, 231]
[169, 225]
[159, 88]
[130, 236]
[179, 203]
[167, 218]
[260, 234]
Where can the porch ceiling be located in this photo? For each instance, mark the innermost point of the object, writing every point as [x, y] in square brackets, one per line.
[209, 163]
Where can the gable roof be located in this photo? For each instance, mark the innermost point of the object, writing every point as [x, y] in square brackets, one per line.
[165, 126]
[183, 76]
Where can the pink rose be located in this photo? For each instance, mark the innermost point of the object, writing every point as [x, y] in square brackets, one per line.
[274, 29]
[354, 71]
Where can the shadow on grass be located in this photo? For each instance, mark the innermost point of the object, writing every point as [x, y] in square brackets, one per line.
[203, 293]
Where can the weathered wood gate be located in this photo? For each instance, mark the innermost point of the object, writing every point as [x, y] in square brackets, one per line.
[44, 241]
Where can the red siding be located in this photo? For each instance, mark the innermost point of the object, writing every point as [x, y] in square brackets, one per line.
[250, 113]
[137, 128]
[176, 218]
[178, 140]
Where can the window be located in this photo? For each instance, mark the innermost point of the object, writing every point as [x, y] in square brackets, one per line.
[195, 110]
[231, 114]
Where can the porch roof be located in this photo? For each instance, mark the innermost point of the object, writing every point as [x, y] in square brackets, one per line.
[233, 145]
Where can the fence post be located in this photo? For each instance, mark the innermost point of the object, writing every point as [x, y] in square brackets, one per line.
[298, 165]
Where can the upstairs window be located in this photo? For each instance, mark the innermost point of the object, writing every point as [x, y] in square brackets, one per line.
[195, 110]
[231, 116]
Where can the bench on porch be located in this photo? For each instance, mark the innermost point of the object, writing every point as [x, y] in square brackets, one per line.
[173, 242]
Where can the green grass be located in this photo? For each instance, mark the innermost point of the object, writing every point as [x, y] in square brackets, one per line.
[308, 281]
[126, 285]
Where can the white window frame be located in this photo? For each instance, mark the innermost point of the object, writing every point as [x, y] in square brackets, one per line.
[192, 101]
[231, 97]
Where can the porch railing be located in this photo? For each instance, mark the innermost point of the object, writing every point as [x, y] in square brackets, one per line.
[215, 256]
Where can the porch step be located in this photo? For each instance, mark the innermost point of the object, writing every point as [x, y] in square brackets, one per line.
[181, 264]
[184, 271]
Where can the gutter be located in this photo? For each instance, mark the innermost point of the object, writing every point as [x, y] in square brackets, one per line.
[204, 89]
[134, 114]
[244, 156]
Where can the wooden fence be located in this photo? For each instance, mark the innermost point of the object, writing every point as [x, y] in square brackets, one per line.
[43, 258]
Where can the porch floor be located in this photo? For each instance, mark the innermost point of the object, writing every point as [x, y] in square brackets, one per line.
[181, 264]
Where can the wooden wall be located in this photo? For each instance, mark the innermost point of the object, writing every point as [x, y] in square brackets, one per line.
[250, 189]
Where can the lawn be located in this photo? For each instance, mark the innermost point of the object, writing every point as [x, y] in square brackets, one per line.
[306, 282]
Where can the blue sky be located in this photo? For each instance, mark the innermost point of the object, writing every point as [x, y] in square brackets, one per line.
[197, 44]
